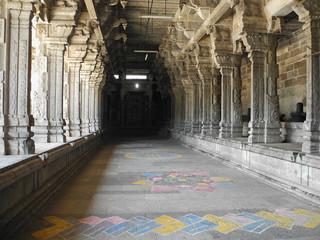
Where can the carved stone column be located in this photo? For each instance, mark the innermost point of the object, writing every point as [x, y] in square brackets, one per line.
[15, 119]
[204, 66]
[309, 13]
[236, 107]
[225, 123]
[196, 109]
[53, 38]
[91, 105]
[74, 66]
[189, 91]
[271, 115]
[84, 111]
[264, 124]
[226, 70]
[216, 103]
[206, 77]
[195, 82]
[74, 56]
[86, 71]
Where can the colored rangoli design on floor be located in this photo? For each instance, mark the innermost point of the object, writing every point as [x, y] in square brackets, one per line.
[95, 227]
[153, 155]
[175, 181]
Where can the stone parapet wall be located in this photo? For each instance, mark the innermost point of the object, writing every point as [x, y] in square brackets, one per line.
[27, 185]
[292, 170]
[291, 58]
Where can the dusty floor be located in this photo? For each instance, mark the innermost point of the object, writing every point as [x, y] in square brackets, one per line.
[150, 188]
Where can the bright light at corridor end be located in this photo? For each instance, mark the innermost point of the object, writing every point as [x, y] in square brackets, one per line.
[137, 85]
[143, 77]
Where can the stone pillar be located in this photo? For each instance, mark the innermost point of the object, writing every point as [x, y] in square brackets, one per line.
[204, 67]
[205, 73]
[196, 108]
[206, 106]
[195, 101]
[264, 124]
[178, 106]
[53, 38]
[15, 119]
[87, 85]
[189, 91]
[216, 103]
[91, 106]
[84, 111]
[225, 123]
[256, 125]
[73, 125]
[236, 107]
[272, 123]
[55, 54]
[74, 56]
[309, 14]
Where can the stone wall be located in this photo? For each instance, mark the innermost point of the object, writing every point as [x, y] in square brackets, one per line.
[246, 88]
[291, 59]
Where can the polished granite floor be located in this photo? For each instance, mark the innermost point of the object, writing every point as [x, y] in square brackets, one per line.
[152, 188]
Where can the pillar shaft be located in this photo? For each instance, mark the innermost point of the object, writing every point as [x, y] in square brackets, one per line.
[216, 104]
[225, 123]
[235, 94]
[74, 99]
[85, 103]
[311, 125]
[15, 109]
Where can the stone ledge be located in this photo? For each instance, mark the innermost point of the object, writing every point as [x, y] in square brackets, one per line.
[286, 167]
[30, 181]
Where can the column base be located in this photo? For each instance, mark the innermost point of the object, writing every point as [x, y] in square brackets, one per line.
[236, 130]
[224, 131]
[187, 128]
[205, 130]
[311, 142]
[256, 132]
[67, 128]
[84, 127]
[92, 126]
[214, 129]
[195, 128]
[20, 146]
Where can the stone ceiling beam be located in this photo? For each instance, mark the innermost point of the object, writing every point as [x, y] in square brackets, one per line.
[213, 18]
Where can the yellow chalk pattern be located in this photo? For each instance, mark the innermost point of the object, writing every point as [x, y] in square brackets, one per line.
[316, 218]
[143, 182]
[220, 179]
[283, 222]
[202, 184]
[171, 225]
[165, 220]
[225, 226]
[47, 233]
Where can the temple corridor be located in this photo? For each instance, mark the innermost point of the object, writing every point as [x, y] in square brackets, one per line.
[154, 188]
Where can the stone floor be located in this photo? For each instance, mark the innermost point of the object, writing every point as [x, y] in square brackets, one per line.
[151, 188]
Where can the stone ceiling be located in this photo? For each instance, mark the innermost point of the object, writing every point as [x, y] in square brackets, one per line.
[126, 31]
